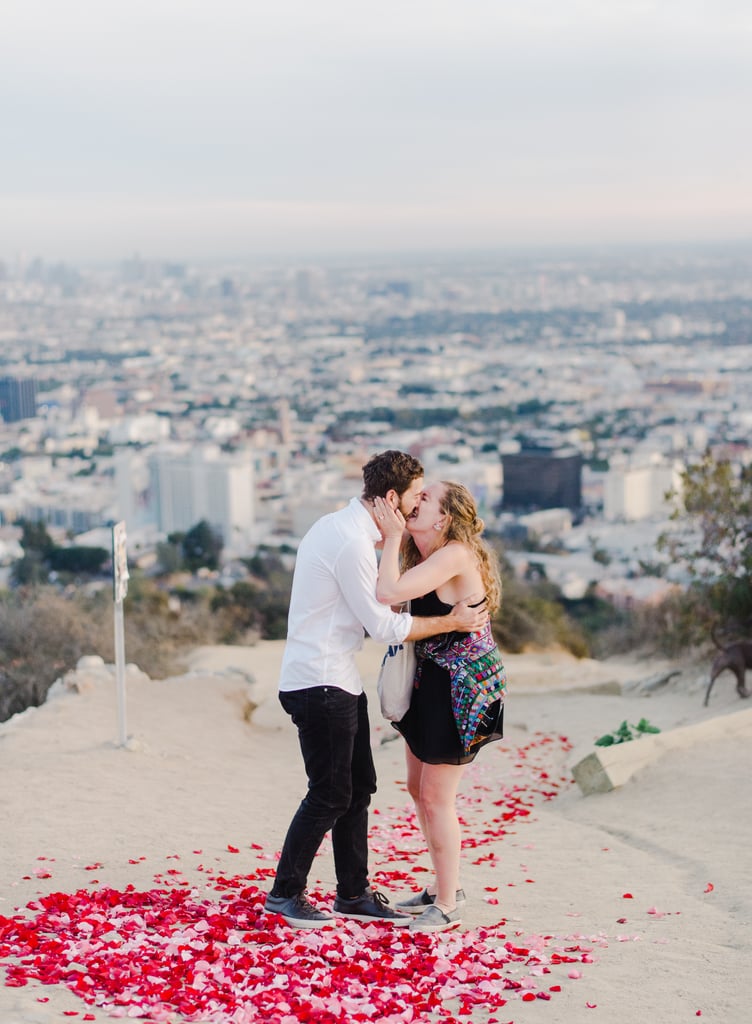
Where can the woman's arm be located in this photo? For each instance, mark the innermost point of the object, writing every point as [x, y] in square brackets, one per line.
[441, 566]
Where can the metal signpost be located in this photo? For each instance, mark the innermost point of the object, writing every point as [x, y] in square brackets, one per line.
[120, 589]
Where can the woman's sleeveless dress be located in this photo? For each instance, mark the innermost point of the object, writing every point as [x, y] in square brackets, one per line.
[440, 695]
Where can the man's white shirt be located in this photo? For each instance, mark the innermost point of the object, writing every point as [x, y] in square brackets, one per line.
[333, 603]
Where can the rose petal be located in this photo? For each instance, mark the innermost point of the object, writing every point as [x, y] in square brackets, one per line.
[210, 952]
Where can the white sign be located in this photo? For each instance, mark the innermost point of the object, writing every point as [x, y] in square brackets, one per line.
[119, 562]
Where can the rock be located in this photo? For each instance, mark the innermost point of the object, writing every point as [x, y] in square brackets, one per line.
[90, 662]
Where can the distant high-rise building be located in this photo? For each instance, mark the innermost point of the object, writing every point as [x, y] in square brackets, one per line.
[639, 490]
[285, 426]
[18, 399]
[204, 483]
[403, 288]
[542, 478]
[307, 286]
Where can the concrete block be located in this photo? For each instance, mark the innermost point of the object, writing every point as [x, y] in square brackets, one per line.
[606, 768]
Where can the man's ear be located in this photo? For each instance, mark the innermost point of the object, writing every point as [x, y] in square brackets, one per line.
[392, 498]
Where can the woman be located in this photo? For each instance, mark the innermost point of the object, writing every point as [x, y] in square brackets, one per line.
[457, 700]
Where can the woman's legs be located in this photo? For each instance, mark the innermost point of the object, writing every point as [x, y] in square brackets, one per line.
[433, 788]
[414, 772]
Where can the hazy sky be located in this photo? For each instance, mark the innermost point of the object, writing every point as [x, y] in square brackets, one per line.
[213, 128]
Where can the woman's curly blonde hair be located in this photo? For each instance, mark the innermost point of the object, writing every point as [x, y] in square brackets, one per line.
[464, 525]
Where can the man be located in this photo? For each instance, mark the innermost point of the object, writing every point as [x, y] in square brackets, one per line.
[333, 602]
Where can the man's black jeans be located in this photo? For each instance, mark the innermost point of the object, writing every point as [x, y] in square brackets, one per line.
[335, 740]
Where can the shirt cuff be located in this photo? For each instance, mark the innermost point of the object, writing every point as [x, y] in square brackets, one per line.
[407, 621]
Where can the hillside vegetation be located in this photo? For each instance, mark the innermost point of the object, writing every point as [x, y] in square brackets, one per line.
[45, 627]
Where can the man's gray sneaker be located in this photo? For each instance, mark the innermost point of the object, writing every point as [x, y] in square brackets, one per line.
[417, 904]
[298, 911]
[433, 919]
[371, 906]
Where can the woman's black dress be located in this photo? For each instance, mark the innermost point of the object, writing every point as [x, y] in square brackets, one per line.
[429, 726]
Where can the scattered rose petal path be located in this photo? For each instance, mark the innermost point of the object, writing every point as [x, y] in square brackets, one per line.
[179, 953]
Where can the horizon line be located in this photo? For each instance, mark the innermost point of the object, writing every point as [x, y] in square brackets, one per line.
[440, 253]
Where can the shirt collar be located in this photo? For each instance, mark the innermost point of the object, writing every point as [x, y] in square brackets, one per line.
[363, 517]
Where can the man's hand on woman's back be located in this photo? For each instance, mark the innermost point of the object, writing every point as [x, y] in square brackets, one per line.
[464, 619]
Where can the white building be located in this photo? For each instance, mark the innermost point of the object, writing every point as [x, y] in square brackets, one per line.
[188, 485]
[146, 428]
[547, 524]
[204, 483]
[132, 487]
[638, 491]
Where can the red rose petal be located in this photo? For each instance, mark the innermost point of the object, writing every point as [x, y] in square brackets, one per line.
[212, 953]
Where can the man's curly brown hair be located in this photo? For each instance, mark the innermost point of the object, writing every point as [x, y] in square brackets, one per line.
[389, 471]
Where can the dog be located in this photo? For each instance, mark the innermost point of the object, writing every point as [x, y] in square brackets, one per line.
[738, 658]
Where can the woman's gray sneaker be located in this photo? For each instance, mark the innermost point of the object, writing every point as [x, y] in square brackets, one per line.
[435, 920]
[297, 911]
[417, 904]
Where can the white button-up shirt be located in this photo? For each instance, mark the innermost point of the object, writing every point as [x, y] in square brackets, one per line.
[334, 602]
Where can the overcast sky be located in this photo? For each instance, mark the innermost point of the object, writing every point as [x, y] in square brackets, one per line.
[193, 129]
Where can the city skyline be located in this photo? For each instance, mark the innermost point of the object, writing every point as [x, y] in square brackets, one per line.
[243, 129]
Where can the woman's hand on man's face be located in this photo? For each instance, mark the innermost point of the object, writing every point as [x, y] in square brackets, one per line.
[389, 520]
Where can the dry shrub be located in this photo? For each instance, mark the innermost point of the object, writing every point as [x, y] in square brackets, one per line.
[41, 638]
[43, 633]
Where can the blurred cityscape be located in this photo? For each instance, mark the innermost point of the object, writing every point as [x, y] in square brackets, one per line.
[566, 391]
